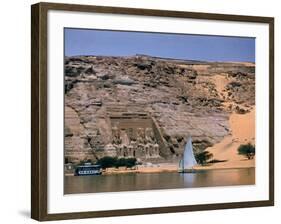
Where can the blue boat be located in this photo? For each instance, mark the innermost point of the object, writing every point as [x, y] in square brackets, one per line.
[87, 169]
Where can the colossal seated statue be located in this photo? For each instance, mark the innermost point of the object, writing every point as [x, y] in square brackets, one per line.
[149, 136]
[156, 150]
[130, 151]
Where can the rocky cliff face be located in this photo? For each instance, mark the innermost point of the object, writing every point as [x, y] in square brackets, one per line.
[145, 107]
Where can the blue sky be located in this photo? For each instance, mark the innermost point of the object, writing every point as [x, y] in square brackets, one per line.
[181, 46]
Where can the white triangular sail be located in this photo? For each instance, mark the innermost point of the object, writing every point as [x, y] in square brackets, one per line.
[188, 160]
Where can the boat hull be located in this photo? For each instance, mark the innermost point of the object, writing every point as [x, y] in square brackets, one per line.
[87, 174]
[187, 171]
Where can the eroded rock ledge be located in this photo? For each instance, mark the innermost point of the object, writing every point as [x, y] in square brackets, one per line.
[145, 107]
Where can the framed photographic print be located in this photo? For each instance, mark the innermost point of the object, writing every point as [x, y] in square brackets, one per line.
[139, 111]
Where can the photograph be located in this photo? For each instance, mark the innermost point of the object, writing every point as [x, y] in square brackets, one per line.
[154, 111]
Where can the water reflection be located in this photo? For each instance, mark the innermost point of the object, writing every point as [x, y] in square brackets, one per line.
[150, 181]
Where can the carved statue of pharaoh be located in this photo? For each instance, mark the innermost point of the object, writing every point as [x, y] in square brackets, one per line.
[140, 136]
[149, 136]
[116, 136]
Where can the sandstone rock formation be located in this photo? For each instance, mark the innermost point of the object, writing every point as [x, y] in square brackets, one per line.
[145, 107]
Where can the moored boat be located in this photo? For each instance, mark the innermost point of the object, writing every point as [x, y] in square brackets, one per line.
[87, 169]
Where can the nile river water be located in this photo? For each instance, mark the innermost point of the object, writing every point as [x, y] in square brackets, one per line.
[151, 181]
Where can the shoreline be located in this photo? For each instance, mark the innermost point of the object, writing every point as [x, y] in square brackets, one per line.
[166, 169]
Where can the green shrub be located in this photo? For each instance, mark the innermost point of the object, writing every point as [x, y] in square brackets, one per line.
[131, 162]
[107, 161]
[247, 150]
[203, 157]
[121, 162]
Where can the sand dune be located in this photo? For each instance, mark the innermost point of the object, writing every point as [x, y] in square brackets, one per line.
[243, 131]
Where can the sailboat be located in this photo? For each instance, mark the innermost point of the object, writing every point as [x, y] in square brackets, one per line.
[188, 161]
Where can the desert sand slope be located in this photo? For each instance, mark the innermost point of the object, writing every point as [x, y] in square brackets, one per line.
[243, 131]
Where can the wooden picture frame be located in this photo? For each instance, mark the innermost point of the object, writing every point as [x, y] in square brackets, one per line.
[39, 110]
